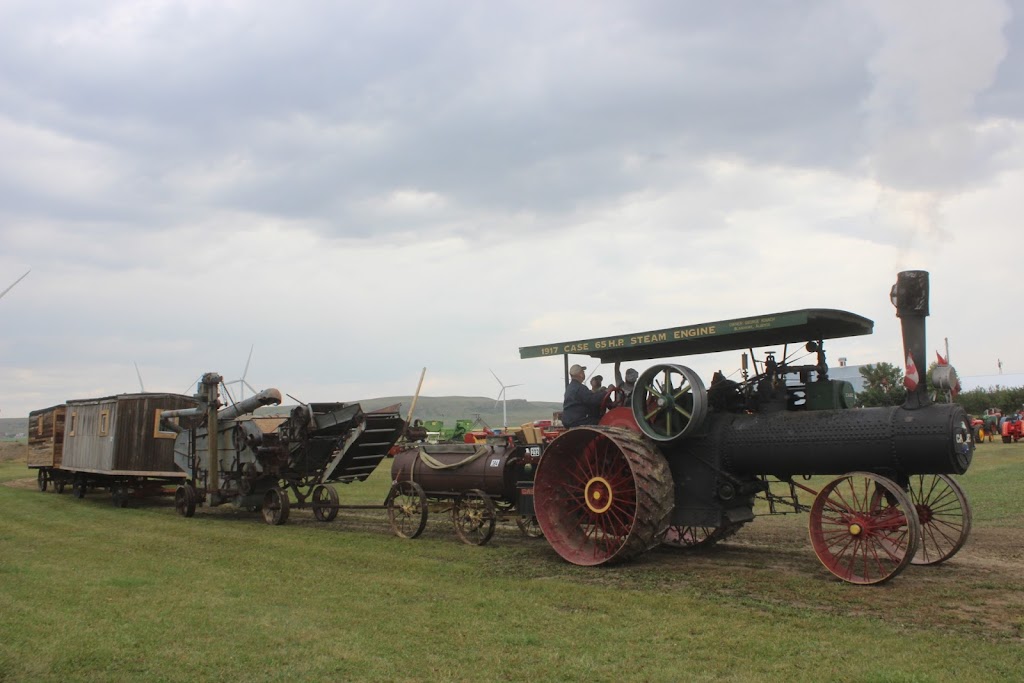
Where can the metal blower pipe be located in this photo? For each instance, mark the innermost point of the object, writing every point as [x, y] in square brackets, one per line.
[264, 398]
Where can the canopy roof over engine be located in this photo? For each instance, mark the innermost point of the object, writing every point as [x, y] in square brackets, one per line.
[810, 324]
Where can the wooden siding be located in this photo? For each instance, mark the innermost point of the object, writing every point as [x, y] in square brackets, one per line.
[46, 436]
[84, 448]
[129, 445]
[137, 449]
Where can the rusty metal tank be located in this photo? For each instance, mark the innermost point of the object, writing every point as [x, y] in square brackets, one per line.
[451, 469]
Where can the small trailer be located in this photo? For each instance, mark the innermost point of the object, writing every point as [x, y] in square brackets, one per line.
[481, 482]
[46, 445]
[113, 443]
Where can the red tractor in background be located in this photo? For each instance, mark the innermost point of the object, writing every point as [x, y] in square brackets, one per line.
[1012, 428]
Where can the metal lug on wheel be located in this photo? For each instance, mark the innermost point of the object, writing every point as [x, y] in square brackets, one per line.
[602, 495]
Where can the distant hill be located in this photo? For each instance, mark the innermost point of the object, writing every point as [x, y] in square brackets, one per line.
[11, 426]
[448, 409]
[451, 408]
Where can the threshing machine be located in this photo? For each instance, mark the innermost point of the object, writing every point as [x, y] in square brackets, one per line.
[254, 461]
[685, 465]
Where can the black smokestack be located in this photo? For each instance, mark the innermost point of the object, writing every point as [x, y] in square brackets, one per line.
[910, 297]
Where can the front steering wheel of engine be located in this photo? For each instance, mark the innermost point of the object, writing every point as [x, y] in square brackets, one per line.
[669, 402]
[612, 399]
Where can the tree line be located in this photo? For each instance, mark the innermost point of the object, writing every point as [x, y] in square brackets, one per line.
[883, 386]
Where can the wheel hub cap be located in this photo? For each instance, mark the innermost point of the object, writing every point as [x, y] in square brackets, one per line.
[924, 513]
[598, 495]
[856, 529]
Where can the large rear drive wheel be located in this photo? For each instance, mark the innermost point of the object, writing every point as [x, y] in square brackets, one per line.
[602, 495]
[864, 528]
[945, 517]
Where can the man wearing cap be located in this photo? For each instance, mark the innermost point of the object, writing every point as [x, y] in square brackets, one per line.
[628, 385]
[581, 406]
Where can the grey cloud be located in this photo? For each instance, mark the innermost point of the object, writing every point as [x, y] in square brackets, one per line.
[510, 107]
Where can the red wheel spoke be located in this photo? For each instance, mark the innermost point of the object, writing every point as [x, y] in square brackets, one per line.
[588, 493]
[861, 528]
[935, 531]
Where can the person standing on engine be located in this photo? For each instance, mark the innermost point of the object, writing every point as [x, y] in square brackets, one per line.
[628, 385]
[581, 406]
[595, 383]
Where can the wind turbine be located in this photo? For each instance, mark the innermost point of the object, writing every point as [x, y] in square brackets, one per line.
[503, 397]
[243, 384]
[15, 282]
[142, 388]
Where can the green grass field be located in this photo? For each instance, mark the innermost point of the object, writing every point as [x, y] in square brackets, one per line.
[92, 592]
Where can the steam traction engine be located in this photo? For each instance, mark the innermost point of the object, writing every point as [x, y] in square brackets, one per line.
[684, 465]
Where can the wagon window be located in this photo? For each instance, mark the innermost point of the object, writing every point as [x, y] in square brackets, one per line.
[74, 422]
[159, 433]
[39, 425]
[104, 422]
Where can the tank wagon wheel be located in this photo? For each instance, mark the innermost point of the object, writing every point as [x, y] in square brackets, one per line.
[529, 527]
[669, 402]
[602, 495]
[276, 506]
[945, 517]
[474, 517]
[407, 509]
[325, 503]
[41, 479]
[692, 537]
[689, 536]
[864, 528]
[185, 500]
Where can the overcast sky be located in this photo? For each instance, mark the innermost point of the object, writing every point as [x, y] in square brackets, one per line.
[358, 190]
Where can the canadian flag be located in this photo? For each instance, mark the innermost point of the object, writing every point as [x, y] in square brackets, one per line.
[942, 361]
[911, 379]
